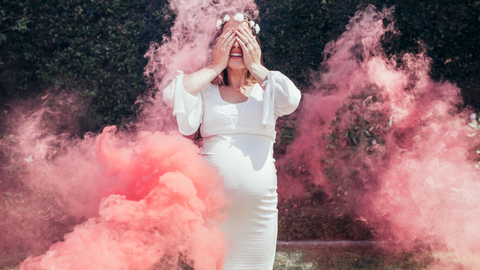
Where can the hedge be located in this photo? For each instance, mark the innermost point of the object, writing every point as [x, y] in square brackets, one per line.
[95, 49]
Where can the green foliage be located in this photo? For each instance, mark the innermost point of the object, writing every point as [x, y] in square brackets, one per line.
[11, 19]
[94, 48]
[356, 138]
[294, 34]
[293, 37]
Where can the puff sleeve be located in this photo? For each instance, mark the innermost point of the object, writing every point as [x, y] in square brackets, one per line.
[188, 109]
[280, 97]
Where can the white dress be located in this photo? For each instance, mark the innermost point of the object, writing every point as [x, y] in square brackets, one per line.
[238, 139]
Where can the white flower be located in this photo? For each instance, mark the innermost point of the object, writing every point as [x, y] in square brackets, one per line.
[374, 142]
[219, 24]
[473, 116]
[257, 28]
[239, 17]
[226, 18]
[252, 24]
[29, 159]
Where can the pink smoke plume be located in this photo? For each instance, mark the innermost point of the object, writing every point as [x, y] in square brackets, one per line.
[389, 135]
[149, 198]
[388, 142]
[170, 217]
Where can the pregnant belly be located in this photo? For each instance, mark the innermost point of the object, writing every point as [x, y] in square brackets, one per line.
[245, 161]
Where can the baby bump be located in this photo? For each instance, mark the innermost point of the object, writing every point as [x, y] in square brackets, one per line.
[245, 161]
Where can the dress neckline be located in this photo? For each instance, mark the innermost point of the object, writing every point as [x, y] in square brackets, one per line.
[224, 103]
[253, 89]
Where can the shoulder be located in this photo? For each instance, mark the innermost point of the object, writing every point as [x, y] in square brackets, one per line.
[210, 90]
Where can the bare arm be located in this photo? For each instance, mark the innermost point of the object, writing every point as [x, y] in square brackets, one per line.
[195, 82]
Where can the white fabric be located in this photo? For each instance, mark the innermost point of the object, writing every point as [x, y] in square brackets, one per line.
[238, 140]
[280, 97]
[233, 109]
[246, 163]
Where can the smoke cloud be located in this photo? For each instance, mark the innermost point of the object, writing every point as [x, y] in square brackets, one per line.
[381, 137]
[149, 200]
[166, 214]
[389, 143]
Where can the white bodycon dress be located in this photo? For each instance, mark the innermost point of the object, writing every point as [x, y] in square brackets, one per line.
[238, 139]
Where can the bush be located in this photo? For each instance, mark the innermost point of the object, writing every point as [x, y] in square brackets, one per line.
[93, 48]
[96, 48]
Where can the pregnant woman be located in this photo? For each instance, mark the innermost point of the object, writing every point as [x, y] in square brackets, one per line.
[235, 101]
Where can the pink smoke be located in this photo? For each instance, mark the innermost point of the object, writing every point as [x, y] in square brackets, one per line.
[149, 198]
[389, 143]
[172, 219]
[159, 202]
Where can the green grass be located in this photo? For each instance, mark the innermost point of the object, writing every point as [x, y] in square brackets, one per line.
[371, 259]
[10, 262]
[345, 259]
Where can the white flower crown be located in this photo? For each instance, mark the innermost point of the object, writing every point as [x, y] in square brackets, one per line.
[239, 18]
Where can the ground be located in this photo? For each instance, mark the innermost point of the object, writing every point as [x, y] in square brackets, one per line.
[347, 258]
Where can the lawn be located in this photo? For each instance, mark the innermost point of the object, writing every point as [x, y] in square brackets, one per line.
[346, 258]
[369, 258]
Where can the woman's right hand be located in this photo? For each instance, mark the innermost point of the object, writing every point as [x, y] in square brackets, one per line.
[221, 50]
[195, 82]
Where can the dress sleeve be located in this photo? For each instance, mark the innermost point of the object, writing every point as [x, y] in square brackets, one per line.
[280, 97]
[188, 109]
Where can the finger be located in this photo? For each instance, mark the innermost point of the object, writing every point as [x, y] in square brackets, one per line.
[228, 39]
[247, 32]
[247, 40]
[244, 48]
[224, 35]
[230, 43]
[242, 37]
[248, 35]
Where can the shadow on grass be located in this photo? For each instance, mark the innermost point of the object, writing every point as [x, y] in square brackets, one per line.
[369, 258]
[9, 262]
[344, 258]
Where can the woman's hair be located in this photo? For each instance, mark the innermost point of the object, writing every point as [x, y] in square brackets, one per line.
[222, 78]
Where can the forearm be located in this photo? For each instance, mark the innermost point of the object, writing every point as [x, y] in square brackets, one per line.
[259, 72]
[195, 82]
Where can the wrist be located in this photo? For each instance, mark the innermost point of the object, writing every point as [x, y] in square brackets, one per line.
[217, 68]
[259, 72]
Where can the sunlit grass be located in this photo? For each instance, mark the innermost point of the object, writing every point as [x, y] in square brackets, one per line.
[345, 258]
[10, 262]
[370, 258]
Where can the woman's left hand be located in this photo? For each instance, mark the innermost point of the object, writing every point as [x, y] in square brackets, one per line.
[252, 54]
[251, 51]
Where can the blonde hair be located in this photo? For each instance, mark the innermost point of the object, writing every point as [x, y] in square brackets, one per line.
[222, 78]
